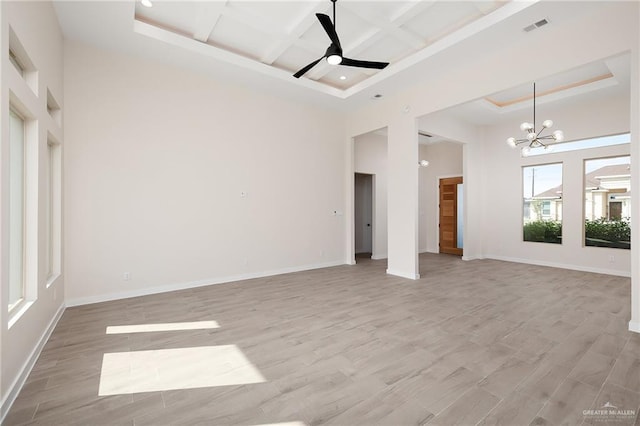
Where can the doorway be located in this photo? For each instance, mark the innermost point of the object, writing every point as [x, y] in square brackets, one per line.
[363, 200]
[451, 208]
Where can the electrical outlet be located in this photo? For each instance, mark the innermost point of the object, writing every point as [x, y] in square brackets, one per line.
[126, 276]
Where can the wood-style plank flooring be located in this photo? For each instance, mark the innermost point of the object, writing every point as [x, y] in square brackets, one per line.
[480, 342]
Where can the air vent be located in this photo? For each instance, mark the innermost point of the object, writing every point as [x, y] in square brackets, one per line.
[426, 135]
[535, 25]
[541, 23]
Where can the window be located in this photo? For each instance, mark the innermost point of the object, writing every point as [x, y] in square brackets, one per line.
[22, 62]
[542, 203]
[52, 207]
[53, 108]
[607, 205]
[16, 209]
[16, 62]
[598, 142]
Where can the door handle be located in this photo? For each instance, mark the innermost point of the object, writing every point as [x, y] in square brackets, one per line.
[368, 224]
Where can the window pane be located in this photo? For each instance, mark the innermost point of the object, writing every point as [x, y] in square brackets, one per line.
[607, 205]
[53, 191]
[49, 210]
[542, 203]
[624, 138]
[460, 215]
[16, 62]
[16, 210]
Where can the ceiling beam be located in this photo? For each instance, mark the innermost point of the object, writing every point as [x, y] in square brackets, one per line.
[403, 15]
[208, 14]
[387, 26]
[301, 26]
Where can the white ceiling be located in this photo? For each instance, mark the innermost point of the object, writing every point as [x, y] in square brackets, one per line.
[286, 35]
[260, 44]
[598, 80]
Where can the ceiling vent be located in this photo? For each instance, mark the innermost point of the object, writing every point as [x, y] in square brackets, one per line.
[535, 25]
[426, 135]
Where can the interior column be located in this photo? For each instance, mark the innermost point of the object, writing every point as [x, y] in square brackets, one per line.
[402, 186]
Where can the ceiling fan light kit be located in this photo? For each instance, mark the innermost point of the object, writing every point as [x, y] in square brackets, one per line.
[333, 55]
[535, 139]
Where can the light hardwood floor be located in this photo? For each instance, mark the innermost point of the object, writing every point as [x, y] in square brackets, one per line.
[479, 342]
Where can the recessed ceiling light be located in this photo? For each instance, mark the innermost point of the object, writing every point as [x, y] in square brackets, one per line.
[343, 77]
[146, 3]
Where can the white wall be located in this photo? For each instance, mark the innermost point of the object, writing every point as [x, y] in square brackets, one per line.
[22, 335]
[156, 161]
[371, 157]
[503, 183]
[445, 160]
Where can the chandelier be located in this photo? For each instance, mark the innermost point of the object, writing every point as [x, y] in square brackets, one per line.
[535, 139]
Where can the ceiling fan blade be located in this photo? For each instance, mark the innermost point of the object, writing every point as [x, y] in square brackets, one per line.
[307, 68]
[329, 28]
[363, 64]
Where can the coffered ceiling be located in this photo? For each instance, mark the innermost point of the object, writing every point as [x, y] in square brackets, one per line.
[286, 35]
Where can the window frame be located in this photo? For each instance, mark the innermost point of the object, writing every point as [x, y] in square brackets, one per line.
[15, 305]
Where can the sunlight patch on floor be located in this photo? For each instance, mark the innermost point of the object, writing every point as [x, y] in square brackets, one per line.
[172, 369]
[172, 326]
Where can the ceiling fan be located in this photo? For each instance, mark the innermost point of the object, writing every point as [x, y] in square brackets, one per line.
[334, 52]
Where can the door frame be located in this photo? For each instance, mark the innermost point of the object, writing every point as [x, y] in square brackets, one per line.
[373, 213]
[464, 207]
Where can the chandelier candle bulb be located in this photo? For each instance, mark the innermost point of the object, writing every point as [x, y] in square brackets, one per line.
[547, 123]
[526, 126]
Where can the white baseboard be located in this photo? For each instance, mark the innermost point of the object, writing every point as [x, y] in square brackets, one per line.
[403, 274]
[379, 256]
[19, 381]
[472, 257]
[193, 284]
[634, 326]
[561, 265]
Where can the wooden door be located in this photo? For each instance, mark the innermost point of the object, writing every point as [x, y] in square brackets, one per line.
[449, 216]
